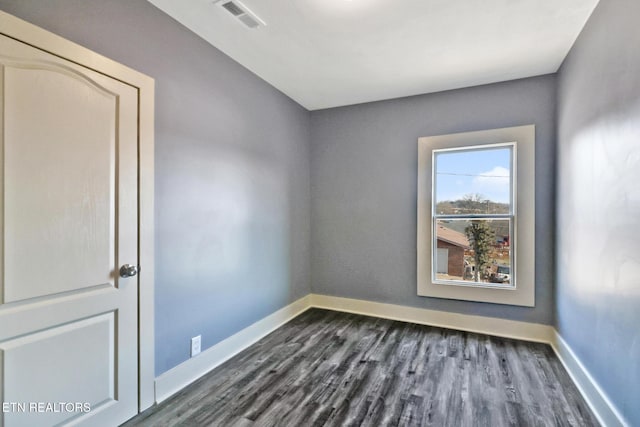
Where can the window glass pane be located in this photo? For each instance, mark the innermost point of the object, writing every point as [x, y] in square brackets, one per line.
[476, 181]
[474, 251]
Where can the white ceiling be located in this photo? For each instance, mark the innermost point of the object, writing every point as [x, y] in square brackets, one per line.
[327, 53]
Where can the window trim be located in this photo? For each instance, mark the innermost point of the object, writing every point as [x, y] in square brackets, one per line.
[523, 293]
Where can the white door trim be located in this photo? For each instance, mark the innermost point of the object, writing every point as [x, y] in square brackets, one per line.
[28, 33]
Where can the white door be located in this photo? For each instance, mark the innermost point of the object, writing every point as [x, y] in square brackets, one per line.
[442, 261]
[68, 221]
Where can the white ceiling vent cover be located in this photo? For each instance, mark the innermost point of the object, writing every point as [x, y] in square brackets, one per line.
[241, 12]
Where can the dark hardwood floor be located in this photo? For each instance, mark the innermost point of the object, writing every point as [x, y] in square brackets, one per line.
[326, 368]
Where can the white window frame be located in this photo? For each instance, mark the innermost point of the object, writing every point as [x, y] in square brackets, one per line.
[522, 291]
[511, 216]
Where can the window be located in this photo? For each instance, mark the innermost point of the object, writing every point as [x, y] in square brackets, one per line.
[476, 216]
[472, 215]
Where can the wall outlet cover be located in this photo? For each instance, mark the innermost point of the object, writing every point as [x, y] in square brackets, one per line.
[195, 345]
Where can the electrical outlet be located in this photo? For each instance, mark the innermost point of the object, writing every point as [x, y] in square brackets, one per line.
[195, 345]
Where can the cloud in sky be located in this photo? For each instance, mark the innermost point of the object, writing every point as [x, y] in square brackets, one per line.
[493, 184]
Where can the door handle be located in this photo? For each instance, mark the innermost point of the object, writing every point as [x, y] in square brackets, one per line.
[129, 270]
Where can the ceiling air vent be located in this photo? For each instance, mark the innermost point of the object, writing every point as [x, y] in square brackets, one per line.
[241, 12]
[232, 8]
[249, 21]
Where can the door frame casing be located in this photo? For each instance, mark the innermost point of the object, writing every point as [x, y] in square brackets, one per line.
[25, 32]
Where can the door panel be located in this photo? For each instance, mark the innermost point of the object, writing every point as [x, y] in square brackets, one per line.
[59, 180]
[80, 353]
[68, 181]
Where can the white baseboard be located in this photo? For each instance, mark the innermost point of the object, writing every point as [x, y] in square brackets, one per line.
[597, 399]
[463, 322]
[184, 374]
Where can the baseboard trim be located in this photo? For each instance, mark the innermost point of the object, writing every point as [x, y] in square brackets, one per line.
[187, 372]
[463, 322]
[184, 374]
[597, 399]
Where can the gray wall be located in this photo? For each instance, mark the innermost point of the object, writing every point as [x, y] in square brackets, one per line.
[232, 172]
[364, 186]
[233, 201]
[598, 243]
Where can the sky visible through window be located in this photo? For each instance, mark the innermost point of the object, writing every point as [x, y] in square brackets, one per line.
[484, 172]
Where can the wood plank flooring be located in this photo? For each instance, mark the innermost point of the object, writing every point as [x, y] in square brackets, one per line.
[326, 368]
